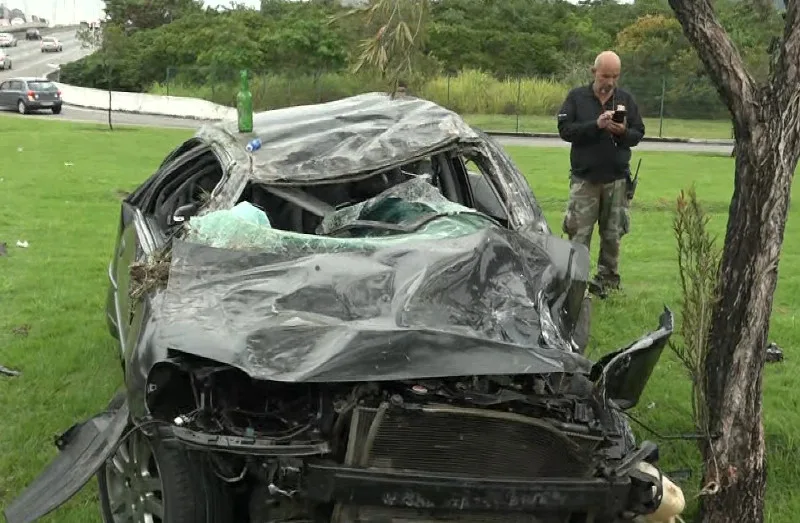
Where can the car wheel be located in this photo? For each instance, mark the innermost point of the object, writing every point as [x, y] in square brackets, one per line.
[22, 108]
[57, 110]
[149, 480]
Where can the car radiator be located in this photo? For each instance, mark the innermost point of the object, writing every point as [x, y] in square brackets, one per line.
[464, 442]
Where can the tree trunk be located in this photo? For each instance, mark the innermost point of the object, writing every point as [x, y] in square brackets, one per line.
[735, 460]
[767, 137]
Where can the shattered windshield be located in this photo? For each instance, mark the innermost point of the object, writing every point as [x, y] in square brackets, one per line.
[409, 211]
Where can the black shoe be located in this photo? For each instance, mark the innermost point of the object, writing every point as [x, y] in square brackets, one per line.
[597, 288]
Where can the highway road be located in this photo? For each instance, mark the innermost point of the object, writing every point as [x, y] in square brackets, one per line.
[79, 114]
[27, 59]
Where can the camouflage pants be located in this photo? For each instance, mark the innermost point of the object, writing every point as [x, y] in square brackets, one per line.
[607, 205]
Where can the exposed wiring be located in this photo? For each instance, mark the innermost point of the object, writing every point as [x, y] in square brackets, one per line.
[687, 437]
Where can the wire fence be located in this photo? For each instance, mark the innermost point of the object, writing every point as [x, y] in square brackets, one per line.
[671, 107]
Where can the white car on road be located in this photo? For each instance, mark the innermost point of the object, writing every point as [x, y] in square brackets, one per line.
[8, 40]
[5, 61]
[51, 43]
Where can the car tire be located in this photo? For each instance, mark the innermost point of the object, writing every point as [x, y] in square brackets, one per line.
[57, 109]
[189, 491]
[22, 108]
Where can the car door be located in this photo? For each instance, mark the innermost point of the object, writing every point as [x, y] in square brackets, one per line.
[5, 89]
[15, 92]
[142, 232]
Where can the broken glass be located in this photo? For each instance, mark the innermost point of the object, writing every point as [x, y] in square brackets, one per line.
[410, 211]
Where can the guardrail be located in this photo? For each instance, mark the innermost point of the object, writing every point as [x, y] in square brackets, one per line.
[22, 27]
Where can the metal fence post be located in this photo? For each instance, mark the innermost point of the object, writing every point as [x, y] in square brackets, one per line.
[517, 106]
[661, 111]
[448, 90]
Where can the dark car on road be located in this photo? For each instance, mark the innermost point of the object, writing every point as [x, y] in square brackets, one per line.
[30, 94]
[33, 34]
[355, 313]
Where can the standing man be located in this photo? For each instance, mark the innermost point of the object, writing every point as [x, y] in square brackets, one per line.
[600, 164]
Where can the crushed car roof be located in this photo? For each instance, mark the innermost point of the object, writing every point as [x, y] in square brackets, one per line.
[358, 134]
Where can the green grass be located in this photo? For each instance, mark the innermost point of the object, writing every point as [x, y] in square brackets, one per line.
[69, 214]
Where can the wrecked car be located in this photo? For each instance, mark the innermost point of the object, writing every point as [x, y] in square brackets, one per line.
[366, 319]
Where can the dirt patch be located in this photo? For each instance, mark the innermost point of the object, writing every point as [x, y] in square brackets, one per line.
[22, 330]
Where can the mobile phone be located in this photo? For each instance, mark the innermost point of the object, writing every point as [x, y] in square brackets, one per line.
[619, 114]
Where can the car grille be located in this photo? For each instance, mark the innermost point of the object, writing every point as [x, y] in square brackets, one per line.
[381, 515]
[464, 442]
[477, 443]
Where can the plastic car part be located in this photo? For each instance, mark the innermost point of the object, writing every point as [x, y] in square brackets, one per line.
[84, 448]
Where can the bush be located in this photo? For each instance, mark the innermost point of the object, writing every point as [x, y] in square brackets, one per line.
[470, 92]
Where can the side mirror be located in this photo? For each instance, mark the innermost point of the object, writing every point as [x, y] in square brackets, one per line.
[622, 376]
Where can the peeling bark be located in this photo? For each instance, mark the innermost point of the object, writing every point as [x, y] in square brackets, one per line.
[767, 133]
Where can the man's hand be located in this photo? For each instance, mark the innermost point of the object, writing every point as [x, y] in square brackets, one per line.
[604, 119]
[617, 128]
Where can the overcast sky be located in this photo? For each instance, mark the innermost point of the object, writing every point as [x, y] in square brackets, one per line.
[70, 11]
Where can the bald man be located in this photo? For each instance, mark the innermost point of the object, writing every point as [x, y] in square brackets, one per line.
[600, 164]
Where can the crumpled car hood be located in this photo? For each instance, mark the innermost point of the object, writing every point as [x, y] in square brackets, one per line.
[311, 311]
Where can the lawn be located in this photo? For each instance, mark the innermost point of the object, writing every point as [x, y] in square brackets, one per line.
[60, 192]
[654, 127]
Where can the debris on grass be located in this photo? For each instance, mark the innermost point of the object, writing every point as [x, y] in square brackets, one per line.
[5, 371]
[3, 249]
[150, 274]
[22, 330]
[774, 353]
[23, 244]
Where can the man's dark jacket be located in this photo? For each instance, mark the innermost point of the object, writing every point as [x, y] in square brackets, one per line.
[596, 154]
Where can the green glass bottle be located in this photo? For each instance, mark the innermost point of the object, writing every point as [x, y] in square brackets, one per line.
[244, 105]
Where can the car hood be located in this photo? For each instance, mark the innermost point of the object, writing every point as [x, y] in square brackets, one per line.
[460, 296]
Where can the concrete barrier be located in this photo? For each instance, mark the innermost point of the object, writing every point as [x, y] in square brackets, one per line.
[143, 103]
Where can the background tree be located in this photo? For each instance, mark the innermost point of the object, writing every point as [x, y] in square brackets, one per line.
[148, 14]
[398, 34]
[766, 117]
